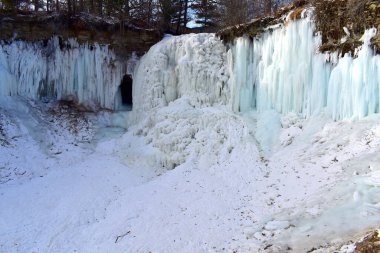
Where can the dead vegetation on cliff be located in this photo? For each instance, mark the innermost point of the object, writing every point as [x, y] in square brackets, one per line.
[370, 243]
[260, 25]
[335, 19]
[85, 27]
[355, 16]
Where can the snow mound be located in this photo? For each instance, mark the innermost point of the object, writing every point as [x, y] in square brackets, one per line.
[31, 131]
[182, 133]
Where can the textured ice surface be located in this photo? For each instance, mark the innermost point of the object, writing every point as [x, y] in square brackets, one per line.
[192, 65]
[90, 74]
[282, 70]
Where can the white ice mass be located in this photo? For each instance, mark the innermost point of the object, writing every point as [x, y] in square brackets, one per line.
[261, 145]
[280, 70]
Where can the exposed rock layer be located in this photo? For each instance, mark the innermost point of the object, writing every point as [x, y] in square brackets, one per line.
[84, 27]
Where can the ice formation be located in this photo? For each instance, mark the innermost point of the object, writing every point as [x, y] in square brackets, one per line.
[90, 74]
[191, 65]
[283, 71]
[280, 70]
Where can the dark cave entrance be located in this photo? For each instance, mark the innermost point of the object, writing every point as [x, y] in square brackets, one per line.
[125, 94]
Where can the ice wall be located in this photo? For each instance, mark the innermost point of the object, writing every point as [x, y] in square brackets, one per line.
[192, 66]
[282, 70]
[90, 74]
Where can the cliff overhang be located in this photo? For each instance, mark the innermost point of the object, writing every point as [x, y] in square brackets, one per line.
[260, 25]
[122, 37]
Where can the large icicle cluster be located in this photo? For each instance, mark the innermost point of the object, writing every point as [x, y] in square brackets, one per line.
[280, 70]
[90, 74]
[283, 71]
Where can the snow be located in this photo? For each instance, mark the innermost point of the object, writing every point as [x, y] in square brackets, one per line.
[252, 149]
[184, 179]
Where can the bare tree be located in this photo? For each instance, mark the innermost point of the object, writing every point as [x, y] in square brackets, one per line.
[233, 12]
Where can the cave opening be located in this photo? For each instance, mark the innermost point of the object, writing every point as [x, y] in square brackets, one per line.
[125, 94]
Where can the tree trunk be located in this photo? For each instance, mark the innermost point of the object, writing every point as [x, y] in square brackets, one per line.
[92, 7]
[179, 16]
[100, 7]
[185, 14]
[268, 7]
[81, 5]
[36, 5]
[69, 7]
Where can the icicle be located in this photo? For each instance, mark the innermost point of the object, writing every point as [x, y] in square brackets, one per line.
[90, 74]
[287, 74]
[280, 70]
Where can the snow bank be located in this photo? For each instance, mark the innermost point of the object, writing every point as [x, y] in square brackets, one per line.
[90, 74]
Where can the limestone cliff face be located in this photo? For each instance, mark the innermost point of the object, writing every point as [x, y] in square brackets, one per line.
[80, 58]
[258, 26]
[85, 28]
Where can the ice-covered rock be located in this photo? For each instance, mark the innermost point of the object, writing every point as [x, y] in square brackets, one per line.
[191, 65]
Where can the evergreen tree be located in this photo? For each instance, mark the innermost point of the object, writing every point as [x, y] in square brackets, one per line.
[207, 12]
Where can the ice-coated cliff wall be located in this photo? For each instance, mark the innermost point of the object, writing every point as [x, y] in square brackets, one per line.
[90, 74]
[283, 70]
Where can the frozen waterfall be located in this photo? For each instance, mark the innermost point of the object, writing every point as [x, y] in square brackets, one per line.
[283, 70]
[90, 74]
[192, 65]
[280, 70]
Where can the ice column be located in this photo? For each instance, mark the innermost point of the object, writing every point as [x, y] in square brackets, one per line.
[282, 70]
[90, 74]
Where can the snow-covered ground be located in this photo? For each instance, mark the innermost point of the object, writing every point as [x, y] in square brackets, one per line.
[184, 180]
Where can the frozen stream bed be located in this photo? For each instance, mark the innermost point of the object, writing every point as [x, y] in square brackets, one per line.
[183, 180]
